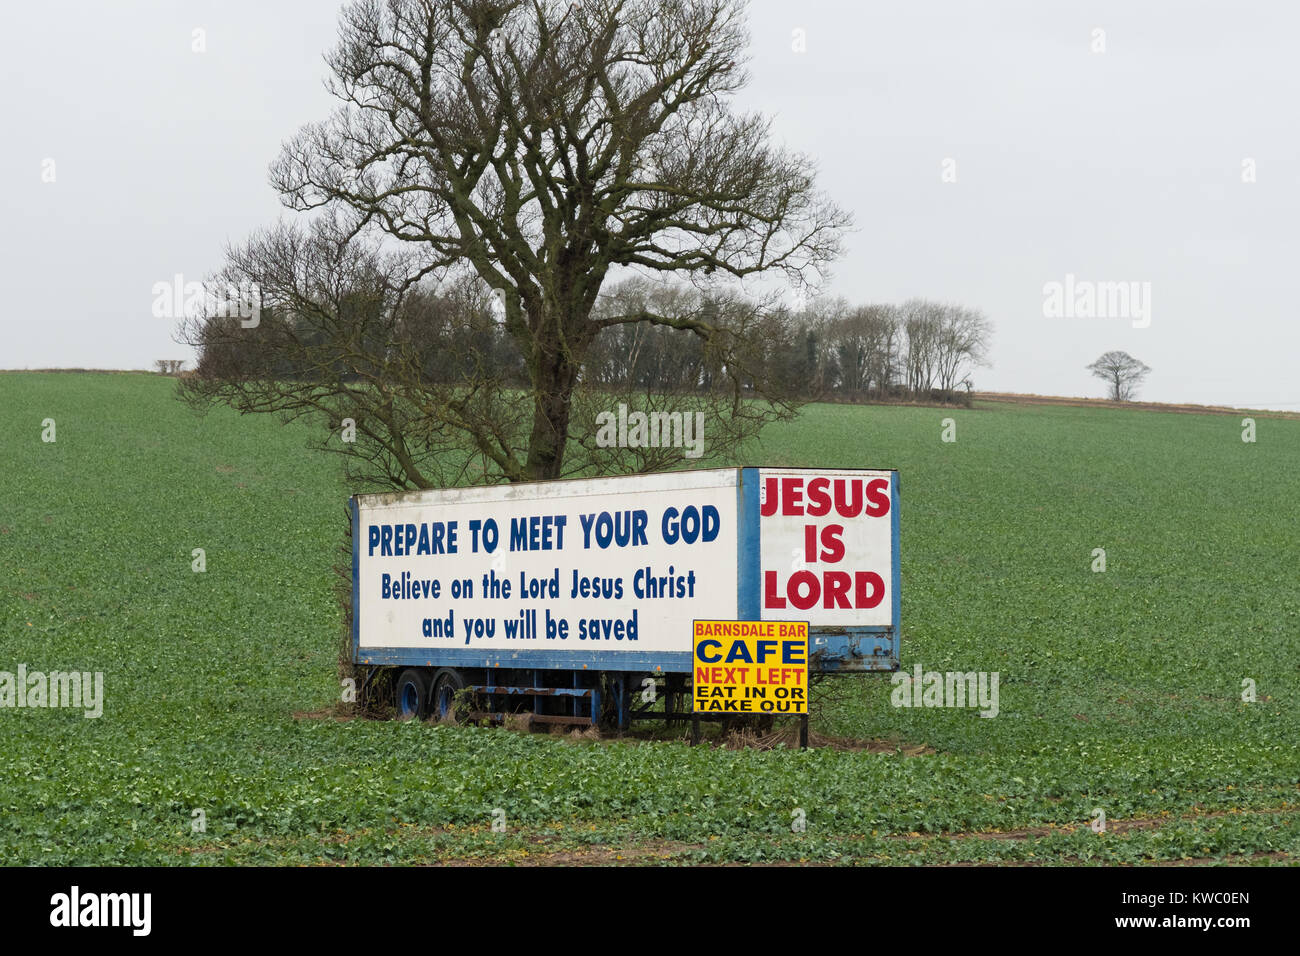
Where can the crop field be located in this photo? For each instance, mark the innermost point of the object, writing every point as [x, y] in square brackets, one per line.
[1161, 692]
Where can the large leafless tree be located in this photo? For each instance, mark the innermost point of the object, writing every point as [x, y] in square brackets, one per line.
[546, 146]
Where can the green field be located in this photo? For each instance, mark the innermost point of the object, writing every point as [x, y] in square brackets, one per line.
[1119, 690]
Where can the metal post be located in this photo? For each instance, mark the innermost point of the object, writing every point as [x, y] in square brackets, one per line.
[695, 729]
[620, 688]
[803, 731]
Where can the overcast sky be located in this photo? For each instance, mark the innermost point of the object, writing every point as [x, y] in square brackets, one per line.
[1115, 156]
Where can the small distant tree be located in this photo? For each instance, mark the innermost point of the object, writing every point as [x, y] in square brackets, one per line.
[1122, 374]
[169, 366]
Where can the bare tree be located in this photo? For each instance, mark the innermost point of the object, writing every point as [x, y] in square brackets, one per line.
[939, 345]
[422, 386]
[399, 375]
[863, 343]
[814, 362]
[543, 144]
[1122, 374]
[962, 342]
[922, 323]
[885, 332]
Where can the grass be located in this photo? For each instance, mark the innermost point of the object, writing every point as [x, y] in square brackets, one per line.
[1119, 691]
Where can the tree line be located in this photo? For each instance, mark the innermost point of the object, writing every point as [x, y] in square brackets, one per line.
[828, 349]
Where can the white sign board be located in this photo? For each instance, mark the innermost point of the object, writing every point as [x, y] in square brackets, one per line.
[612, 572]
[827, 546]
[606, 564]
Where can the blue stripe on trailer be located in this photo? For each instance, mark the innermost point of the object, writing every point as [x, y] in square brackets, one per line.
[897, 584]
[666, 661]
[748, 547]
[356, 575]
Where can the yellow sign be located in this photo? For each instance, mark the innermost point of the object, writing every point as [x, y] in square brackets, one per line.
[751, 667]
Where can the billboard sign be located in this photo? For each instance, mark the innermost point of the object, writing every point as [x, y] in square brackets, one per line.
[611, 573]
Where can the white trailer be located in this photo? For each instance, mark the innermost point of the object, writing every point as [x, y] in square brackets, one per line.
[566, 597]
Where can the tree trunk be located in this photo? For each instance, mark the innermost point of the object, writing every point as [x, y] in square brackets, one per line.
[555, 373]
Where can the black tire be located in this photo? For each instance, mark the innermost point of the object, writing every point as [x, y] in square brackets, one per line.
[411, 694]
[447, 684]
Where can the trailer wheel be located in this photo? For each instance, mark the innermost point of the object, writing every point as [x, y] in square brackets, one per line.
[412, 694]
[447, 683]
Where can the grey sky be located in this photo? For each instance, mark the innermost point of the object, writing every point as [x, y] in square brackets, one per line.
[1123, 165]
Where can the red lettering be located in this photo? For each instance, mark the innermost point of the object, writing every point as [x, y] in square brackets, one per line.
[805, 589]
[837, 589]
[877, 497]
[791, 496]
[861, 580]
[832, 544]
[798, 581]
[819, 502]
[770, 597]
[852, 507]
